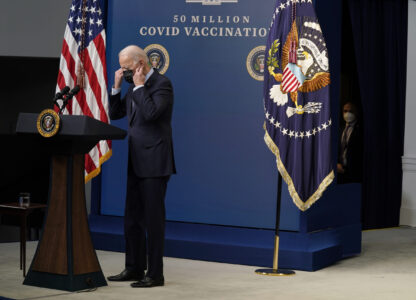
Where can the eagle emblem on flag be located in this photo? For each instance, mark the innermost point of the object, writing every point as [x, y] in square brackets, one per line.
[305, 64]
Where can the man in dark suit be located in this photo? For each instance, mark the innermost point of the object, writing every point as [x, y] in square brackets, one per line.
[350, 156]
[148, 106]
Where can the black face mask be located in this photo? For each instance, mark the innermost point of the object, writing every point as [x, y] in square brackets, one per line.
[128, 76]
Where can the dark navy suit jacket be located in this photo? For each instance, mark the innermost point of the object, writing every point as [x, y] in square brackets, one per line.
[354, 155]
[149, 126]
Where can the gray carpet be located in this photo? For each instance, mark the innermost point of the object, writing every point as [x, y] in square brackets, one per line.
[386, 269]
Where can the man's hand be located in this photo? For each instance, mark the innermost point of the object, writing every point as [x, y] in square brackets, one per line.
[118, 78]
[139, 77]
[340, 169]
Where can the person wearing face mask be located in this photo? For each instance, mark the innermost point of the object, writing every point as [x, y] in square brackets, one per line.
[148, 106]
[349, 165]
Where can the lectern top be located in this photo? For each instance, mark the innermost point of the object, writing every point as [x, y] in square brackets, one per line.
[78, 134]
[73, 126]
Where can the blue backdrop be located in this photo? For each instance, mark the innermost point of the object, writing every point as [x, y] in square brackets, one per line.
[226, 174]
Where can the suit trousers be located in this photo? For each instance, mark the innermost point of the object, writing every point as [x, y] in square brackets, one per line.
[144, 223]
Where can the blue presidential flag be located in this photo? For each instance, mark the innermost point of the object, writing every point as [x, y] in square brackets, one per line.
[296, 101]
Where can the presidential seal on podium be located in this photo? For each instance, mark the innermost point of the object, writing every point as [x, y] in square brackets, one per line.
[48, 123]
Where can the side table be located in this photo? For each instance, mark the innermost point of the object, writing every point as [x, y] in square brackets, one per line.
[23, 212]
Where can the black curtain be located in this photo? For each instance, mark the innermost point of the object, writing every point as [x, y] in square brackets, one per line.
[380, 41]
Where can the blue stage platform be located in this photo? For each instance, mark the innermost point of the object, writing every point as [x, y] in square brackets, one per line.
[328, 232]
[248, 246]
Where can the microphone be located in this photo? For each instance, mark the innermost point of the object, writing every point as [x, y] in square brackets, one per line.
[68, 97]
[62, 93]
[72, 93]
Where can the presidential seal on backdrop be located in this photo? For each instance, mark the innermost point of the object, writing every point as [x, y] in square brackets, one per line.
[158, 57]
[255, 62]
[48, 123]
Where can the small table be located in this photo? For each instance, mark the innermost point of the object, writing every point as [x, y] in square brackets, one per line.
[23, 212]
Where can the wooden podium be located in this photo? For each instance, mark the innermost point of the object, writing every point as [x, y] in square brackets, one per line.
[65, 258]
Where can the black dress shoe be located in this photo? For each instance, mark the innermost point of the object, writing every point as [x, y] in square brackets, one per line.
[126, 275]
[149, 282]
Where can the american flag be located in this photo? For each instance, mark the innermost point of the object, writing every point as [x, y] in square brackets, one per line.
[83, 62]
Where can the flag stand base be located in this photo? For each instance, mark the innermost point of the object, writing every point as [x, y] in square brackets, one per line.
[275, 272]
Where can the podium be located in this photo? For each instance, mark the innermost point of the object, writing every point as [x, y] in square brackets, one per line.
[65, 258]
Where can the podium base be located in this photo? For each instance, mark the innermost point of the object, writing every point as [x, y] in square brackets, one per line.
[275, 272]
[65, 282]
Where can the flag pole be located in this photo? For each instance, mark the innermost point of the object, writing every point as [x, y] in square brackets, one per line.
[275, 271]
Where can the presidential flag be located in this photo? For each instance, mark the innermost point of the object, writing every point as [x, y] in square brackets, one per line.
[83, 63]
[296, 101]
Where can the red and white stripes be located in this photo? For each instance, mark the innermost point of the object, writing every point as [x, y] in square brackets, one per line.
[92, 100]
[289, 81]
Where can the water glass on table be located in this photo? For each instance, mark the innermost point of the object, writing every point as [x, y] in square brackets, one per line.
[24, 199]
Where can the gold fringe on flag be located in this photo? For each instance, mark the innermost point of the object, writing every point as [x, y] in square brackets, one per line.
[303, 206]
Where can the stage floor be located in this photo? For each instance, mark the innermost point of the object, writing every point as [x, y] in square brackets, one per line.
[386, 269]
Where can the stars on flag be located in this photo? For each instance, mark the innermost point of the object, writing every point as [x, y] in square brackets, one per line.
[297, 134]
[287, 4]
[77, 31]
[85, 21]
[277, 125]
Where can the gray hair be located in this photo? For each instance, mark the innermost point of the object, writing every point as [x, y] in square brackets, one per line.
[134, 52]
